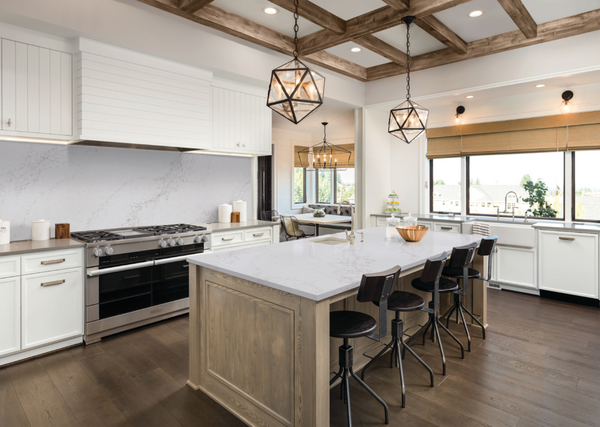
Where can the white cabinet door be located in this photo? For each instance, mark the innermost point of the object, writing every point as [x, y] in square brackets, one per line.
[426, 224]
[10, 315]
[52, 307]
[515, 266]
[568, 263]
[37, 95]
[445, 227]
[10, 266]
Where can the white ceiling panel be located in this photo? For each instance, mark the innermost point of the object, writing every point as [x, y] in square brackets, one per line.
[420, 41]
[348, 9]
[282, 22]
[365, 57]
[494, 20]
[549, 10]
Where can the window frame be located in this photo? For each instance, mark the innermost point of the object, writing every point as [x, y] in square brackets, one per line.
[509, 215]
[335, 185]
[333, 189]
[304, 196]
[431, 192]
[573, 195]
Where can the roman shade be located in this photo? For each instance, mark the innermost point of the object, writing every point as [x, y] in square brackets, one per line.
[342, 159]
[541, 134]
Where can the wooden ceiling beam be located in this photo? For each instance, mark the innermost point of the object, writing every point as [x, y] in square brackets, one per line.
[400, 5]
[437, 29]
[315, 14]
[521, 16]
[193, 6]
[382, 48]
[245, 29]
[549, 31]
[373, 22]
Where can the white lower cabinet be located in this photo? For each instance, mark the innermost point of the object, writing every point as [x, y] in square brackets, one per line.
[10, 315]
[52, 306]
[515, 267]
[568, 263]
[447, 228]
[426, 224]
[230, 240]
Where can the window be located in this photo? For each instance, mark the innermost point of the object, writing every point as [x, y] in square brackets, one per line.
[345, 186]
[504, 181]
[299, 185]
[445, 193]
[586, 186]
[324, 186]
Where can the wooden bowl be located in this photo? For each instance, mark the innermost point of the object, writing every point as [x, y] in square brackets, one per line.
[412, 233]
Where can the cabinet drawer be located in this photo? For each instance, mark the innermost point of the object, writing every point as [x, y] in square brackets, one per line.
[10, 315]
[381, 222]
[448, 228]
[258, 234]
[426, 224]
[10, 266]
[51, 261]
[227, 239]
[52, 307]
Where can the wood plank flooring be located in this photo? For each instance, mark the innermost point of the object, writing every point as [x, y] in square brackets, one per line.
[539, 366]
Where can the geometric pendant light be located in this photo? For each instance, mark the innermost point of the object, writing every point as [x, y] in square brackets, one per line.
[408, 120]
[295, 91]
[325, 155]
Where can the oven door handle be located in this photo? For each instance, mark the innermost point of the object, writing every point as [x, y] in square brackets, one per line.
[178, 258]
[93, 272]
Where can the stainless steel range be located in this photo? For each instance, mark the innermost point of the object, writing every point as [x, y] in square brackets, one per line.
[137, 276]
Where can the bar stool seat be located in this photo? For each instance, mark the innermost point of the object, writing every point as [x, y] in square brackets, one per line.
[446, 285]
[404, 301]
[457, 273]
[350, 324]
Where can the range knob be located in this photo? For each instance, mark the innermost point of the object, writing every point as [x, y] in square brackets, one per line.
[162, 243]
[205, 238]
[179, 241]
[197, 239]
[97, 252]
[109, 250]
[171, 242]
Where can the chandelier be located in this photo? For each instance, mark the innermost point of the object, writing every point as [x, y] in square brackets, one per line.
[408, 120]
[325, 155]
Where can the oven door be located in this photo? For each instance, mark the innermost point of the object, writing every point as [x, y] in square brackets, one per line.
[119, 290]
[172, 279]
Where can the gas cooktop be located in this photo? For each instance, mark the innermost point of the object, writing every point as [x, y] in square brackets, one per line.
[135, 232]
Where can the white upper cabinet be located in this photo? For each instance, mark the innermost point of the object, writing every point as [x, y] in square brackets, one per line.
[126, 97]
[37, 91]
[241, 119]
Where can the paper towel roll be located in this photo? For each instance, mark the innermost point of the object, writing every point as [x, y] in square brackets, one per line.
[40, 230]
[4, 232]
[225, 212]
[240, 206]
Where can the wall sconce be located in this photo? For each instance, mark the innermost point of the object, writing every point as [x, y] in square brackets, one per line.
[459, 112]
[565, 107]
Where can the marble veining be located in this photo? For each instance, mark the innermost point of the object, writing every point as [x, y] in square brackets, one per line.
[318, 271]
[100, 187]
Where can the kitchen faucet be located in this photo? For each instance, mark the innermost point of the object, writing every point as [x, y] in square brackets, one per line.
[352, 236]
[506, 203]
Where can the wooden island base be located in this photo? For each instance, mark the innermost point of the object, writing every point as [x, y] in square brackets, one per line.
[266, 355]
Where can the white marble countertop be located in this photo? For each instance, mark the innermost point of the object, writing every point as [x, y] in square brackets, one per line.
[568, 226]
[317, 271]
[215, 227]
[27, 246]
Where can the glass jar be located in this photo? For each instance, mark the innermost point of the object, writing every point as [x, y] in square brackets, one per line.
[411, 219]
[390, 231]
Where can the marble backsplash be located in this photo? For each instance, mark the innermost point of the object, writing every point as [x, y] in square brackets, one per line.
[97, 187]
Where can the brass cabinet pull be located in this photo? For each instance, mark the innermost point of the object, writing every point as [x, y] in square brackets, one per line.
[446, 228]
[56, 282]
[258, 234]
[566, 238]
[54, 261]
[229, 239]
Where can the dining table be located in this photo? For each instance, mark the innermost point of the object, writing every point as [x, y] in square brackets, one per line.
[308, 218]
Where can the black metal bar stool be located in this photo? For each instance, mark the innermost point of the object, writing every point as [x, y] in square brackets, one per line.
[400, 301]
[353, 324]
[431, 281]
[458, 268]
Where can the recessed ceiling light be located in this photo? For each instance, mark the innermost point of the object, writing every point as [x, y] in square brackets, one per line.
[540, 85]
[355, 49]
[470, 96]
[270, 10]
[476, 13]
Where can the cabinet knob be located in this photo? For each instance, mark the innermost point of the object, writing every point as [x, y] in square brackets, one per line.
[244, 145]
[8, 123]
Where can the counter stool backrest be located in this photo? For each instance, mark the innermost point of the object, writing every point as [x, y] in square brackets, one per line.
[486, 248]
[377, 287]
[433, 269]
[462, 256]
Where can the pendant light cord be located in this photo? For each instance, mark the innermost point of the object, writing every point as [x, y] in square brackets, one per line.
[296, 28]
[407, 60]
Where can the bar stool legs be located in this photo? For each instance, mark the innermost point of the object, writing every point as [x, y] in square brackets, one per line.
[346, 358]
[460, 311]
[398, 346]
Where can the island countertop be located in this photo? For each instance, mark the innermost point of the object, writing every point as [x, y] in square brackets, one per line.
[317, 271]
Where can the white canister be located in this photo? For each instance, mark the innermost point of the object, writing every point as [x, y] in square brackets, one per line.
[4, 232]
[241, 207]
[40, 230]
[225, 212]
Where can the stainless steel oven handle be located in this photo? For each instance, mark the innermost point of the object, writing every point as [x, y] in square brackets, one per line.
[100, 272]
[178, 258]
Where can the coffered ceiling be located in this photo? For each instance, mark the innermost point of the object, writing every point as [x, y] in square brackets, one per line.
[443, 33]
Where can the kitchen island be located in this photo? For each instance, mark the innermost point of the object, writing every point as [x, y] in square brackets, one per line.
[259, 319]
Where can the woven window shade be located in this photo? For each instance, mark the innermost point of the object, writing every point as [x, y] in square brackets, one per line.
[585, 137]
[342, 159]
[527, 141]
[439, 148]
[304, 156]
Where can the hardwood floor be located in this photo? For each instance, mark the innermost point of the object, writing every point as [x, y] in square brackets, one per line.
[540, 366]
